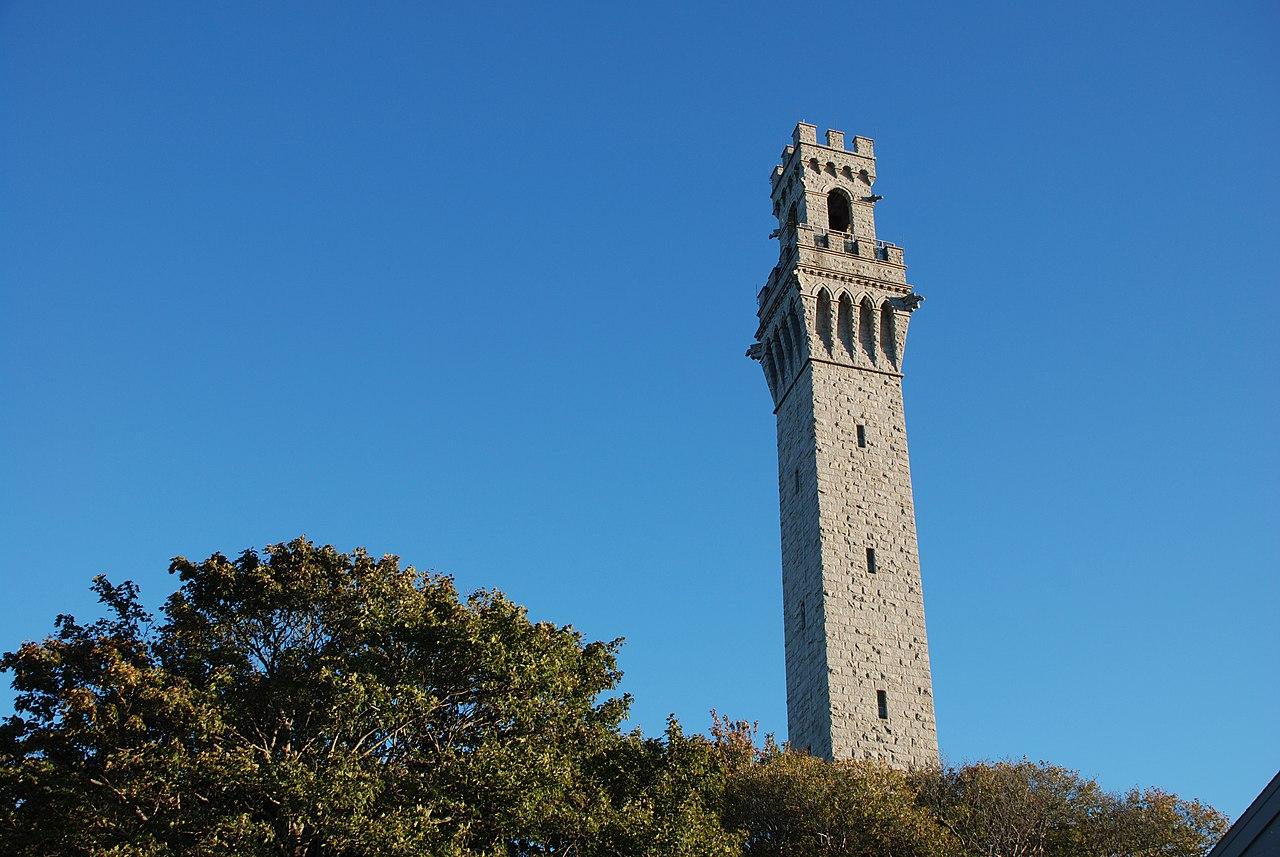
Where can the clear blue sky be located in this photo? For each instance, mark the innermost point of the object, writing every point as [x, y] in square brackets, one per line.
[472, 284]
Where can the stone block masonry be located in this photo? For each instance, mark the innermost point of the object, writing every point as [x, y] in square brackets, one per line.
[833, 325]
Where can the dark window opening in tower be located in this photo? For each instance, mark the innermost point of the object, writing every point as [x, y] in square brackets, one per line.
[795, 484]
[813, 165]
[792, 217]
[800, 617]
[871, 560]
[862, 436]
[838, 214]
[882, 704]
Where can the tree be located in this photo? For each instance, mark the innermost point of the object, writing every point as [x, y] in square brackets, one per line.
[788, 803]
[305, 701]
[1028, 809]
[794, 804]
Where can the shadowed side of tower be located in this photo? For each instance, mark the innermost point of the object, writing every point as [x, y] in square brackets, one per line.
[833, 329]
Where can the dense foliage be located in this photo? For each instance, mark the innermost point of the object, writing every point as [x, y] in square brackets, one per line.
[792, 804]
[307, 702]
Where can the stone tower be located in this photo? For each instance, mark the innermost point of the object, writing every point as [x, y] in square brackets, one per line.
[833, 327]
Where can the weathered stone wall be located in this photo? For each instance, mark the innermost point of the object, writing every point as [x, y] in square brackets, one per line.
[833, 327]
[874, 621]
[804, 619]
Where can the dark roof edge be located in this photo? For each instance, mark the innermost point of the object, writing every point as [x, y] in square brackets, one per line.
[1264, 809]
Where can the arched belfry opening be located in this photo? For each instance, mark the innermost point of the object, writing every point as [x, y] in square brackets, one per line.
[838, 214]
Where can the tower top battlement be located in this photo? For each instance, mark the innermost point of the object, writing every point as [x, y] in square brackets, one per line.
[823, 199]
[805, 139]
[807, 134]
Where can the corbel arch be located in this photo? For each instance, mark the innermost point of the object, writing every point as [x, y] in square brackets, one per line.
[798, 328]
[770, 368]
[867, 327]
[823, 323]
[788, 350]
[888, 333]
[845, 323]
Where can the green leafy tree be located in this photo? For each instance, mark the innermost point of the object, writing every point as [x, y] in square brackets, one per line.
[1154, 823]
[1028, 809]
[305, 702]
[1014, 809]
[793, 804]
[309, 702]
[789, 803]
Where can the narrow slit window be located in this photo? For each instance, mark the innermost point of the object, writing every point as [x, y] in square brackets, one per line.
[800, 616]
[795, 484]
[871, 560]
[882, 704]
[862, 436]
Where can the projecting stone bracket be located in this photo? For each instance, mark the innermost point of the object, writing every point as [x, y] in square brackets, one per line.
[910, 303]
